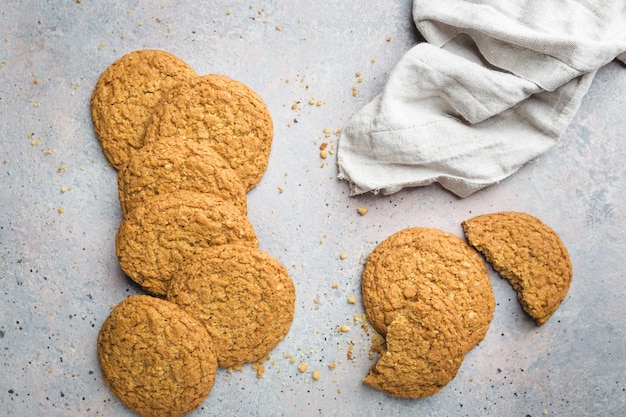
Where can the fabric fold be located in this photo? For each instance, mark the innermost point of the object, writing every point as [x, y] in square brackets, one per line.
[494, 86]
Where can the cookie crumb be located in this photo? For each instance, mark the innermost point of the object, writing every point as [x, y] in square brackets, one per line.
[332, 365]
[316, 375]
[343, 329]
[302, 367]
[342, 256]
[60, 210]
[323, 154]
[352, 300]
[362, 210]
[280, 190]
[350, 355]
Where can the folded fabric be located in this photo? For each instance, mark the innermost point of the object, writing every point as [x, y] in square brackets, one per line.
[495, 85]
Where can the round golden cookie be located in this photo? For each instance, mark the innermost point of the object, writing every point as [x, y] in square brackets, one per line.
[423, 348]
[529, 254]
[169, 165]
[155, 357]
[125, 95]
[225, 113]
[244, 296]
[398, 268]
[156, 237]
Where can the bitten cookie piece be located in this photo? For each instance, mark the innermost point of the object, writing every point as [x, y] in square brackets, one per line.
[156, 237]
[170, 165]
[156, 358]
[527, 253]
[244, 296]
[399, 268]
[225, 113]
[423, 350]
[125, 95]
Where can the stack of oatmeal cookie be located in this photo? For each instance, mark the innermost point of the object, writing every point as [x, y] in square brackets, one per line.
[187, 148]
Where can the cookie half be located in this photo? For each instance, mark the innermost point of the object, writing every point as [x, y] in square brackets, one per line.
[155, 357]
[156, 237]
[398, 269]
[423, 348]
[223, 112]
[244, 296]
[125, 95]
[170, 165]
[529, 254]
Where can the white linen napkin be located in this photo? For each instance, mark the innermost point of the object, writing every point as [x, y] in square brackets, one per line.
[495, 85]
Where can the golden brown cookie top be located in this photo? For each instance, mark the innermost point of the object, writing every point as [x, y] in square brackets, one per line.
[169, 165]
[243, 295]
[125, 95]
[225, 113]
[423, 348]
[396, 271]
[155, 357]
[167, 229]
[529, 254]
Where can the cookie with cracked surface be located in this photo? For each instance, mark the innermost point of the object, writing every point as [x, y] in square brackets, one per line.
[156, 237]
[396, 270]
[223, 112]
[170, 165]
[243, 295]
[423, 350]
[155, 357]
[125, 95]
[529, 254]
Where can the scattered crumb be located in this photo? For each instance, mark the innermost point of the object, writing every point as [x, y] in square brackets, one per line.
[323, 146]
[343, 329]
[303, 367]
[316, 375]
[335, 286]
[342, 256]
[350, 350]
[60, 210]
[323, 154]
[280, 190]
[316, 300]
[36, 81]
[332, 365]
[229, 12]
[389, 39]
[351, 300]
[373, 61]
[278, 28]
[62, 169]
[362, 210]
[354, 91]
[259, 368]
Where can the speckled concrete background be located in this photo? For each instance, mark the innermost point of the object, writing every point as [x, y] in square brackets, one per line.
[59, 214]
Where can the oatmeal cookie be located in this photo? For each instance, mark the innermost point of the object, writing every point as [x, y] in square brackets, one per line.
[169, 165]
[225, 113]
[396, 271]
[244, 296]
[529, 254]
[155, 357]
[125, 95]
[156, 237]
